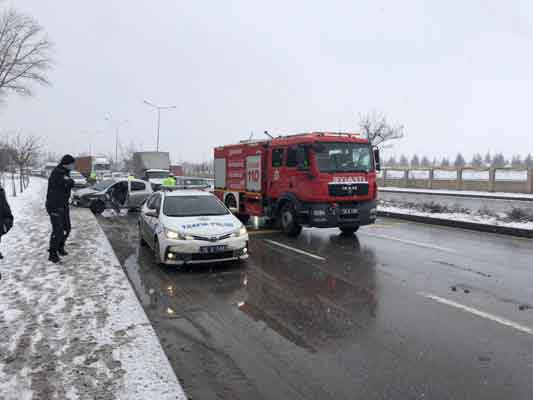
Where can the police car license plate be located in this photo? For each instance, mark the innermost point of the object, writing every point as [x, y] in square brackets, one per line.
[212, 249]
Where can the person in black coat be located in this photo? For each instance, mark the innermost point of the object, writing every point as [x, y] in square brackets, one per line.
[6, 217]
[60, 185]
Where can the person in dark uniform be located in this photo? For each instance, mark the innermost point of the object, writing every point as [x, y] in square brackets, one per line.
[60, 185]
[6, 217]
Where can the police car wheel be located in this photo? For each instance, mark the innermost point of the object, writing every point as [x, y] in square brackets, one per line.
[157, 253]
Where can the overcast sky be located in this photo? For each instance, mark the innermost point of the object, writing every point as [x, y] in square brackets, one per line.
[457, 74]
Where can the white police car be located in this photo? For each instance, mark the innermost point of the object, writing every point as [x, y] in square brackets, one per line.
[191, 227]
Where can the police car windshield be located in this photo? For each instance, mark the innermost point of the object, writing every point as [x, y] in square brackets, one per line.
[193, 206]
[103, 185]
[345, 157]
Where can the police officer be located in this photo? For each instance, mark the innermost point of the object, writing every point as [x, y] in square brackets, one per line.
[6, 217]
[169, 182]
[60, 185]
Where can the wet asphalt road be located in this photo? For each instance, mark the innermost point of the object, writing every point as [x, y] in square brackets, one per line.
[400, 311]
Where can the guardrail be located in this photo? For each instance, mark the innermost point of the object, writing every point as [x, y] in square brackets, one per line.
[485, 180]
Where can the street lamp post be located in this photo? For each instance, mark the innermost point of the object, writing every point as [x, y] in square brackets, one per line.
[117, 124]
[90, 135]
[158, 108]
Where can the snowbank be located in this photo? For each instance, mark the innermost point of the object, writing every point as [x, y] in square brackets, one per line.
[478, 219]
[465, 193]
[76, 330]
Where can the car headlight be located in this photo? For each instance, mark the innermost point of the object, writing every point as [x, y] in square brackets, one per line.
[240, 232]
[173, 235]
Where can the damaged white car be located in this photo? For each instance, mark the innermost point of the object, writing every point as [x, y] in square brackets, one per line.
[191, 227]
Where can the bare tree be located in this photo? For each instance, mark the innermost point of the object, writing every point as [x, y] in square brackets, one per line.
[516, 161]
[25, 53]
[378, 130]
[25, 149]
[498, 161]
[477, 161]
[391, 162]
[528, 161]
[127, 155]
[459, 161]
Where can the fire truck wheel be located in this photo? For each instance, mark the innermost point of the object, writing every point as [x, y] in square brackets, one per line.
[349, 230]
[289, 223]
[230, 201]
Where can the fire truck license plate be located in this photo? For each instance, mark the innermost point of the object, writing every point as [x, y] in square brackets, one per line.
[349, 211]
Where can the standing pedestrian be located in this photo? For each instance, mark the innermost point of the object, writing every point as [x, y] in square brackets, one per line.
[60, 185]
[6, 217]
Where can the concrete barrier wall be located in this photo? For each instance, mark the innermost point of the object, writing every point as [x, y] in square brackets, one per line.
[485, 180]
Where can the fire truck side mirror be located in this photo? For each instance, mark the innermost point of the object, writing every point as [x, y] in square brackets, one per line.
[376, 159]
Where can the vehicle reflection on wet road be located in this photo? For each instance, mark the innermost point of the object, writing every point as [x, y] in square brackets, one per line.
[330, 317]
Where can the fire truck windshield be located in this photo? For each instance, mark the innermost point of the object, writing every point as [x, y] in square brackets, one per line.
[344, 157]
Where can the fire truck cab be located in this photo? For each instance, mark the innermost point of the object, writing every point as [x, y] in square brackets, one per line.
[318, 179]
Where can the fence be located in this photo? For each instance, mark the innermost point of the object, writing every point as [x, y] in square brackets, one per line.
[487, 180]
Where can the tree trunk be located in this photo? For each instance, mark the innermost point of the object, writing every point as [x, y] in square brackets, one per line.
[13, 184]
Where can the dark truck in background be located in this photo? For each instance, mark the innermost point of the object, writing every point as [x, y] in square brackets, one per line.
[151, 166]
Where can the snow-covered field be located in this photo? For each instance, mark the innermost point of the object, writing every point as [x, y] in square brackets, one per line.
[510, 175]
[499, 219]
[444, 175]
[524, 196]
[475, 175]
[422, 174]
[74, 330]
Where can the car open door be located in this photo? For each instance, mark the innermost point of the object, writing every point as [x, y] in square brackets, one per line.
[138, 192]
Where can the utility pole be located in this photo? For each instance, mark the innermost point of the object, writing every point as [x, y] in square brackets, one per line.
[158, 108]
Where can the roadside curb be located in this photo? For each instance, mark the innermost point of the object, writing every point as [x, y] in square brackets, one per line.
[173, 388]
[488, 196]
[503, 230]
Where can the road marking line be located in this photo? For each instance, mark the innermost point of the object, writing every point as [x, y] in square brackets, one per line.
[295, 250]
[411, 242]
[479, 313]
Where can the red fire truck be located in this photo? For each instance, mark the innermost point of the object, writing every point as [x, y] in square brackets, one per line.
[318, 179]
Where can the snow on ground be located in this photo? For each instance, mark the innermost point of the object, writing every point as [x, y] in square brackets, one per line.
[466, 193]
[456, 216]
[75, 330]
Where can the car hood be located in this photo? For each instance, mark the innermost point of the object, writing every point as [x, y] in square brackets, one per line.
[203, 226]
[86, 192]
